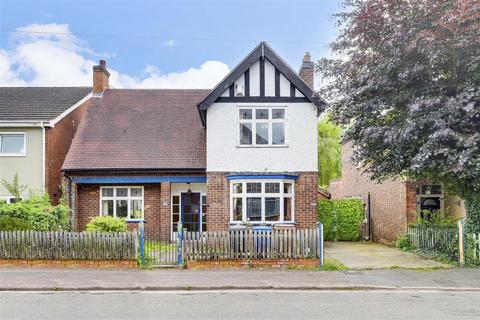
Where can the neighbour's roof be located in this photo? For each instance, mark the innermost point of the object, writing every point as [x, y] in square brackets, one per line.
[140, 129]
[38, 103]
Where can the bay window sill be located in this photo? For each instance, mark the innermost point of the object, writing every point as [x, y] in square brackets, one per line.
[264, 146]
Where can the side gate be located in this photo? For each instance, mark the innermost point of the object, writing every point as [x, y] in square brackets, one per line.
[155, 251]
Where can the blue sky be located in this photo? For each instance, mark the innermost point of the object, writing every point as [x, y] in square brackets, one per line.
[154, 40]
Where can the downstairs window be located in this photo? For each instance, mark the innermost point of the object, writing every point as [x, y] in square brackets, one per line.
[122, 202]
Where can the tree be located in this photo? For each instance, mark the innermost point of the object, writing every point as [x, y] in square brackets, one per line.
[14, 188]
[407, 84]
[329, 151]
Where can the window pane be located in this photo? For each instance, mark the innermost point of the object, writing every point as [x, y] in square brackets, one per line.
[287, 209]
[12, 143]
[107, 192]
[245, 113]
[122, 208]
[278, 114]
[204, 208]
[237, 188]
[261, 114]
[122, 192]
[262, 133]
[254, 187]
[107, 207]
[254, 209]
[176, 208]
[278, 133]
[204, 199]
[136, 209]
[287, 188]
[237, 209]
[175, 218]
[176, 199]
[272, 187]
[272, 209]
[245, 133]
[136, 192]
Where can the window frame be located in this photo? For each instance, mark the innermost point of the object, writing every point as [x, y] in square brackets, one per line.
[254, 121]
[128, 198]
[263, 195]
[10, 199]
[13, 133]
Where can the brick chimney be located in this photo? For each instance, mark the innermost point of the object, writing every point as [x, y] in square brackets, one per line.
[307, 70]
[100, 77]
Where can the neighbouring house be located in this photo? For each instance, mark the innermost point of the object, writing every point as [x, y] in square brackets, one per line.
[244, 152]
[392, 204]
[37, 125]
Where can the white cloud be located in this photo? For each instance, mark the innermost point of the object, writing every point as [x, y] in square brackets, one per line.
[169, 43]
[50, 55]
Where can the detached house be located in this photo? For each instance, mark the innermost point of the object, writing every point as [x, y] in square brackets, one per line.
[244, 152]
[37, 125]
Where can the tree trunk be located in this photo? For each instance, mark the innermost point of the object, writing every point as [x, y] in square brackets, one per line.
[472, 206]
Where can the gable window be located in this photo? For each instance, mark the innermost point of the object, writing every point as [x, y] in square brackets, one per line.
[261, 126]
[12, 144]
[266, 201]
[122, 202]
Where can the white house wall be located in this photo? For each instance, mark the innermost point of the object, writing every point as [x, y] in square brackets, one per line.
[225, 155]
[269, 79]
[255, 79]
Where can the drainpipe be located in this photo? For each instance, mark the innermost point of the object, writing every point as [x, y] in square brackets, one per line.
[43, 156]
[369, 218]
[70, 197]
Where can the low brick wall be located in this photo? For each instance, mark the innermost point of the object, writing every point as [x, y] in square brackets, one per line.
[276, 263]
[68, 263]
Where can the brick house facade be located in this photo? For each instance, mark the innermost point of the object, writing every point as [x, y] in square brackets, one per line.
[167, 156]
[393, 203]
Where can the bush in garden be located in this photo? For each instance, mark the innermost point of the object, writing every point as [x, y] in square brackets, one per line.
[13, 224]
[341, 219]
[37, 212]
[107, 224]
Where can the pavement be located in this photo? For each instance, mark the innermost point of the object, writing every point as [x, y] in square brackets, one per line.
[368, 255]
[251, 304]
[38, 279]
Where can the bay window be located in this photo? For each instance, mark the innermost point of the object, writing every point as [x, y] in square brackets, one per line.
[122, 202]
[262, 126]
[266, 201]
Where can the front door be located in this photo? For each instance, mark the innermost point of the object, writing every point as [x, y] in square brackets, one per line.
[191, 214]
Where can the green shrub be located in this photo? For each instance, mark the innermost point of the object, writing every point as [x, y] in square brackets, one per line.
[107, 224]
[341, 219]
[39, 213]
[436, 219]
[403, 243]
[13, 224]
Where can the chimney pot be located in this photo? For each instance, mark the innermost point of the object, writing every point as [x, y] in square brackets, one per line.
[307, 57]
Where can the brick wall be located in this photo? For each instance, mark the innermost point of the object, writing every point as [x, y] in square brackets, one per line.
[157, 216]
[219, 200]
[57, 144]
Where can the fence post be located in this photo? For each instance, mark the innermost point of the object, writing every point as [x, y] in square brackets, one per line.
[180, 244]
[320, 242]
[142, 243]
[461, 241]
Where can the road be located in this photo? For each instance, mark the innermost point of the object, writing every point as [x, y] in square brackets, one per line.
[251, 304]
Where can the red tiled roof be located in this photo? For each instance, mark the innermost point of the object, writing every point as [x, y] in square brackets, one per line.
[140, 129]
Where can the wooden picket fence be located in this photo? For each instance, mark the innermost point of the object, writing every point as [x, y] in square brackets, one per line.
[61, 245]
[252, 244]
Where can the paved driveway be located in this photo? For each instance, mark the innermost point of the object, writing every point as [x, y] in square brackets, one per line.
[365, 255]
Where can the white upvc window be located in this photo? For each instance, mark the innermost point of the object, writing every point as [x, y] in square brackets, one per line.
[261, 126]
[12, 144]
[122, 202]
[262, 201]
[10, 199]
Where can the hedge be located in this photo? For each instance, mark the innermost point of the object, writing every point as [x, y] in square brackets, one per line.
[346, 214]
[107, 224]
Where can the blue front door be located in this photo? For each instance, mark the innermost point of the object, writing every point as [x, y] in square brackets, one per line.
[191, 212]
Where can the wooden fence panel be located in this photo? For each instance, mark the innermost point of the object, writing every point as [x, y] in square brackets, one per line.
[60, 245]
[252, 244]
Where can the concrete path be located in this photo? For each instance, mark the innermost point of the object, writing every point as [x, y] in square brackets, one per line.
[366, 255]
[33, 279]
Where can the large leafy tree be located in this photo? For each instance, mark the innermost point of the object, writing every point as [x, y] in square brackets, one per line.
[407, 85]
[329, 151]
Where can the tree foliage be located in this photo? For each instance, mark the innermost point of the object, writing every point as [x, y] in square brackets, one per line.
[407, 83]
[329, 151]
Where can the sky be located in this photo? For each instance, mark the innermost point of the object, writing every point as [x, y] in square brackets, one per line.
[153, 44]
